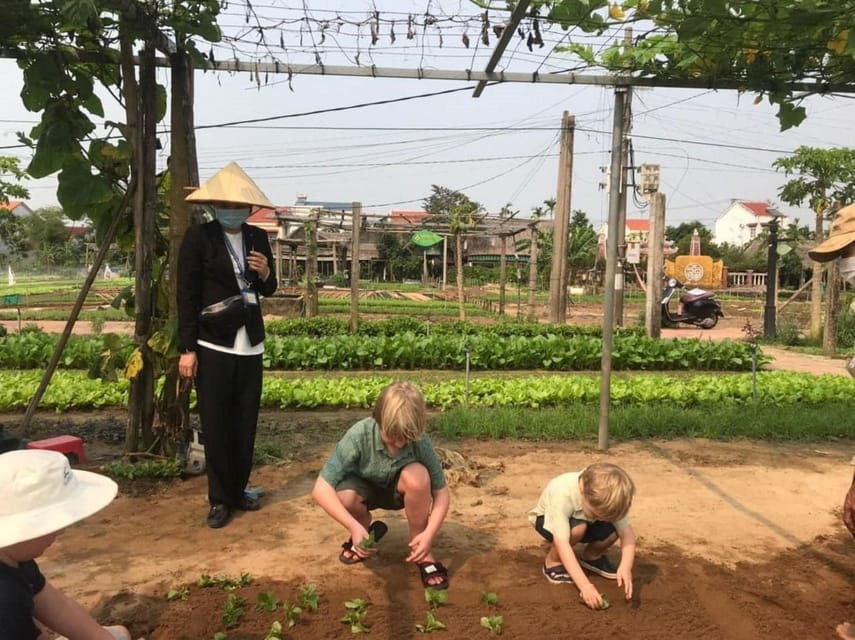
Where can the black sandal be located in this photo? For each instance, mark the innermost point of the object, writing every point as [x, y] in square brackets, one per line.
[433, 569]
[379, 530]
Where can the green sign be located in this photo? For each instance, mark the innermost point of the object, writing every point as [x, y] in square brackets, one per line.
[12, 298]
[426, 238]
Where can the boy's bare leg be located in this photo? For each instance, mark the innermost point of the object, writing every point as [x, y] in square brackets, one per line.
[596, 549]
[414, 485]
[846, 631]
[355, 504]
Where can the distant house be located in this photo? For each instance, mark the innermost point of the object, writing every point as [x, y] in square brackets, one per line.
[407, 217]
[636, 230]
[18, 208]
[744, 220]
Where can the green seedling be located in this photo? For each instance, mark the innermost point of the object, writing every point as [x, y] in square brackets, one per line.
[356, 610]
[606, 604]
[226, 583]
[493, 624]
[266, 602]
[275, 632]
[181, 593]
[490, 598]
[430, 625]
[368, 543]
[292, 614]
[233, 611]
[309, 597]
[435, 598]
[220, 636]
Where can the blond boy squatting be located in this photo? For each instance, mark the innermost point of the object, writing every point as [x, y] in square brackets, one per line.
[589, 506]
[388, 462]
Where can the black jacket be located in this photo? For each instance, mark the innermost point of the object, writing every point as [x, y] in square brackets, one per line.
[206, 276]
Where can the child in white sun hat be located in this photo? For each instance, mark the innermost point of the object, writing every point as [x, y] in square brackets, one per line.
[40, 495]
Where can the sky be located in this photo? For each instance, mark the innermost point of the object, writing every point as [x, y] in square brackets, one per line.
[501, 148]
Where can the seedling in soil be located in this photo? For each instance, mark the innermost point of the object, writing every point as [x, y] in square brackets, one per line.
[226, 583]
[490, 598]
[181, 593]
[309, 597]
[233, 611]
[430, 625]
[606, 604]
[275, 632]
[220, 636]
[435, 598]
[493, 624]
[292, 614]
[356, 610]
[266, 602]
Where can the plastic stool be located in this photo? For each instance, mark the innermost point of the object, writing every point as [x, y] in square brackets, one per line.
[71, 446]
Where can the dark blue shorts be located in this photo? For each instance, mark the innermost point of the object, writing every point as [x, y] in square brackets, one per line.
[596, 531]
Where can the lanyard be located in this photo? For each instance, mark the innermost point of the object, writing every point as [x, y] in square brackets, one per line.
[236, 260]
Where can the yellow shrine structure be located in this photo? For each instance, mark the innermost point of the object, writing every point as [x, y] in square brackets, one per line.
[696, 270]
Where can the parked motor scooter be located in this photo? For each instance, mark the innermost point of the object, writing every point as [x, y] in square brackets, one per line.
[697, 306]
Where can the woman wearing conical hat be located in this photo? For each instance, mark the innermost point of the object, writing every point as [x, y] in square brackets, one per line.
[224, 266]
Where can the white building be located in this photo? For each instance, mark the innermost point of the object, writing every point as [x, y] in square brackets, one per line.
[743, 221]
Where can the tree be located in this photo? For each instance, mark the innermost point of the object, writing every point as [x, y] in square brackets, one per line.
[46, 227]
[681, 236]
[582, 244]
[824, 179]
[11, 188]
[399, 260]
[459, 212]
[763, 47]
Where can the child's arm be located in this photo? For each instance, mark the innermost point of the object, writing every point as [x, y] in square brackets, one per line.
[590, 594]
[325, 495]
[422, 543]
[627, 560]
[61, 614]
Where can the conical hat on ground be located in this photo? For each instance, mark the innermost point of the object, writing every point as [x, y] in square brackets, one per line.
[231, 184]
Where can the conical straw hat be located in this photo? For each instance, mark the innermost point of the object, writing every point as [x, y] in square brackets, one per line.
[842, 234]
[231, 184]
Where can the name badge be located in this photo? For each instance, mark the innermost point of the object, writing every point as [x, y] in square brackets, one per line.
[250, 297]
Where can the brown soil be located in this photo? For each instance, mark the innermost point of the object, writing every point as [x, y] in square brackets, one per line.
[737, 540]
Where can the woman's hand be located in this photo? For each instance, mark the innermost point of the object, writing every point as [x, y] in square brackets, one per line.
[187, 364]
[257, 261]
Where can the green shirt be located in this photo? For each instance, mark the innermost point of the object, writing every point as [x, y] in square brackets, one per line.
[362, 453]
[562, 500]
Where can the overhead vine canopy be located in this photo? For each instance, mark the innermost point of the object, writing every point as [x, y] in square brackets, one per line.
[763, 45]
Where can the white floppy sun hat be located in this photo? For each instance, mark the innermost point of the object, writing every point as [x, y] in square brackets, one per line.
[40, 494]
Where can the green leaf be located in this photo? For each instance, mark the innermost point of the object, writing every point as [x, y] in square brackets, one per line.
[79, 191]
[78, 12]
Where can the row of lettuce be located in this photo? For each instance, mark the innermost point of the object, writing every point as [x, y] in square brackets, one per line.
[439, 350]
[75, 391]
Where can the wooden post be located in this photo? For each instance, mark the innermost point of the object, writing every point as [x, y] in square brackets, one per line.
[558, 274]
[444, 262]
[832, 309]
[655, 265]
[503, 273]
[356, 210]
[532, 271]
[312, 268]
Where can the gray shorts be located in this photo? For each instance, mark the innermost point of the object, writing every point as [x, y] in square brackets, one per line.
[374, 495]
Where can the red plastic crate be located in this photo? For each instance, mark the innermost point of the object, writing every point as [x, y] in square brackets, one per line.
[69, 445]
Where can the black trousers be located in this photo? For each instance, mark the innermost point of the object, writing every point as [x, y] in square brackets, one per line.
[228, 388]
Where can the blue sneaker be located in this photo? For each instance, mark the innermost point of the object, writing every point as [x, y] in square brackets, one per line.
[602, 566]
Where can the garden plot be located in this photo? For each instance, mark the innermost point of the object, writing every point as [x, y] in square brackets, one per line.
[737, 540]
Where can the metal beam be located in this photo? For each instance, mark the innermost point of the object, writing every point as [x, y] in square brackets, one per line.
[504, 40]
[608, 80]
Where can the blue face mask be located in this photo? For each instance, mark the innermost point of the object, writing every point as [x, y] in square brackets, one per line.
[231, 218]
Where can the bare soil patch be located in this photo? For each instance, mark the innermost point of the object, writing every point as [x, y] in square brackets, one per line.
[737, 540]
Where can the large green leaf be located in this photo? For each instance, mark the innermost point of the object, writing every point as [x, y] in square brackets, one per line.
[79, 191]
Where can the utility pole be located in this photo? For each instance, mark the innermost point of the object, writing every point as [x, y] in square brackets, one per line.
[655, 249]
[611, 264]
[558, 274]
[624, 166]
[769, 319]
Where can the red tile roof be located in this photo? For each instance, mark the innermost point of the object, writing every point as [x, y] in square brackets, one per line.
[261, 215]
[638, 224]
[11, 205]
[407, 217]
[757, 208]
